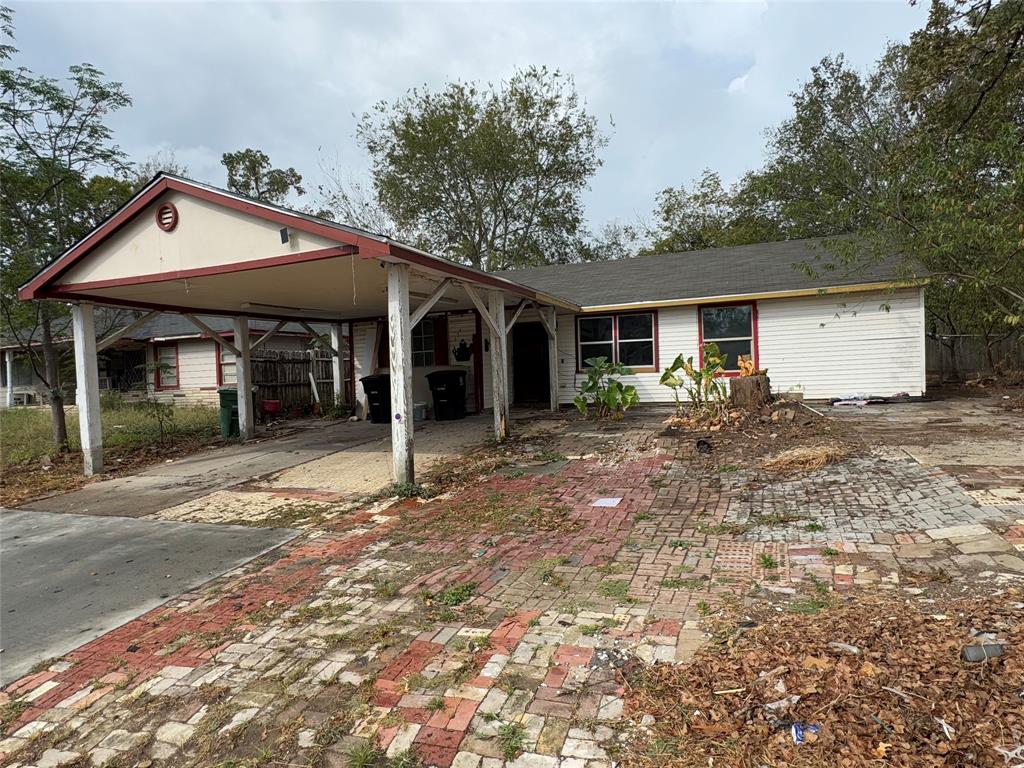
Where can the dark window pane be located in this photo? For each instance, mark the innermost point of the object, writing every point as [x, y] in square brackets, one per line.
[731, 350]
[636, 327]
[588, 351]
[725, 322]
[595, 329]
[636, 353]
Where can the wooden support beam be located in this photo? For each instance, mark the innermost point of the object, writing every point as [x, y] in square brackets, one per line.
[551, 326]
[483, 309]
[113, 337]
[499, 364]
[268, 335]
[337, 365]
[88, 381]
[515, 315]
[400, 343]
[332, 348]
[428, 304]
[243, 374]
[216, 336]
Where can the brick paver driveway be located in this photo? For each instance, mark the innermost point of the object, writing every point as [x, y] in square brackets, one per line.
[489, 626]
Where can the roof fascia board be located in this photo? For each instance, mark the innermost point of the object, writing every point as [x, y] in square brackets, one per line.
[794, 293]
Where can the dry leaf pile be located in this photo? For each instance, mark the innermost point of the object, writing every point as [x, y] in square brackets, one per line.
[807, 458]
[883, 682]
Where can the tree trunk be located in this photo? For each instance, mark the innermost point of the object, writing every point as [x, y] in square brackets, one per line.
[51, 360]
[750, 392]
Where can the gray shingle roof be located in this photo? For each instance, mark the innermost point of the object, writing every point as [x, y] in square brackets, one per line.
[745, 269]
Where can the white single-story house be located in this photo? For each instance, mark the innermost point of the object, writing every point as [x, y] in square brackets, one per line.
[193, 250]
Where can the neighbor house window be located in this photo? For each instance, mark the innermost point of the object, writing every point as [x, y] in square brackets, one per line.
[627, 338]
[423, 343]
[226, 361]
[733, 328]
[166, 358]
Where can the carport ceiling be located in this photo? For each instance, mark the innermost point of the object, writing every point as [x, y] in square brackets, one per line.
[183, 246]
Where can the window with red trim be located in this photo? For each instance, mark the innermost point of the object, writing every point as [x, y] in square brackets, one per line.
[429, 343]
[733, 329]
[165, 358]
[226, 371]
[630, 339]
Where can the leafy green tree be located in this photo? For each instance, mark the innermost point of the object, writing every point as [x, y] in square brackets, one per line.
[710, 215]
[251, 174]
[922, 157]
[163, 161]
[59, 177]
[491, 176]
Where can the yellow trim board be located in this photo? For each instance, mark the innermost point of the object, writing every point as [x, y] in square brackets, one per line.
[856, 288]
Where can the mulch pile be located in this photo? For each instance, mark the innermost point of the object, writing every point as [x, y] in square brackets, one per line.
[891, 690]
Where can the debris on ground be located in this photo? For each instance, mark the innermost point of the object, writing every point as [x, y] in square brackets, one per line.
[807, 458]
[788, 692]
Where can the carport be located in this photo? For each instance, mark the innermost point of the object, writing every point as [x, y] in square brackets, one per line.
[184, 247]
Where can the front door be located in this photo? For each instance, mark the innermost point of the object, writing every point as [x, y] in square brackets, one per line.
[529, 363]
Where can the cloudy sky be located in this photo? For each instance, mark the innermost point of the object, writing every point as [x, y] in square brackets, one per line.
[678, 87]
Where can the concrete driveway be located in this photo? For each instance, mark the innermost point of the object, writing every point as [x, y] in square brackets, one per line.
[66, 579]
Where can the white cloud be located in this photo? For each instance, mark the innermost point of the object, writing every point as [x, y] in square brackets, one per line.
[292, 78]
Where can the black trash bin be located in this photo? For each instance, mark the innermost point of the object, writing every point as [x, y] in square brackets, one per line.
[378, 396]
[449, 391]
[228, 411]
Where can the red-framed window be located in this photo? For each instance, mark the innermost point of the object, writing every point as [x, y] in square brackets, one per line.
[226, 376]
[630, 338]
[733, 327]
[429, 343]
[166, 374]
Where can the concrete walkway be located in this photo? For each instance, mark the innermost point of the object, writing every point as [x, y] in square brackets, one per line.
[167, 485]
[67, 579]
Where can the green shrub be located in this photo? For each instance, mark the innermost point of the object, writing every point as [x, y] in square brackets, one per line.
[703, 386]
[609, 396]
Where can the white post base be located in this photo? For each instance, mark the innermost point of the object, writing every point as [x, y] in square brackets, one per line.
[400, 343]
[88, 382]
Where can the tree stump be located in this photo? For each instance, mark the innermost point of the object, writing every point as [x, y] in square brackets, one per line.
[750, 392]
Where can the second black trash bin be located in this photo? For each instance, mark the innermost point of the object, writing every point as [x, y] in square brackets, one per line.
[449, 391]
[378, 397]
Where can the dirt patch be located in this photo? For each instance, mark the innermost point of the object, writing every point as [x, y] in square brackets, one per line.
[742, 439]
[872, 680]
[30, 480]
[807, 458]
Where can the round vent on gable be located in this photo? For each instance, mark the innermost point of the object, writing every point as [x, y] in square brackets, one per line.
[167, 217]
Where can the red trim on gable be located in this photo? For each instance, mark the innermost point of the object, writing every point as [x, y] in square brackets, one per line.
[225, 269]
[753, 329]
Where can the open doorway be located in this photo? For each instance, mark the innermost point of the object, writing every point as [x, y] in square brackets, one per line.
[530, 364]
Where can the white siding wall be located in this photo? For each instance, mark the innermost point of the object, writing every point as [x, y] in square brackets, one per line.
[832, 346]
[822, 346]
[677, 333]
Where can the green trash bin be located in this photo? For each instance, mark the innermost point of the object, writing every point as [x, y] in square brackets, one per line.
[228, 411]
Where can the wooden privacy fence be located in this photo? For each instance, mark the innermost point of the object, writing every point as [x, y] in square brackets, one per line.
[969, 356]
[285, 375]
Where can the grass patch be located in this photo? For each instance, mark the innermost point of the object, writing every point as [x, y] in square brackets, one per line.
[765, 560]
[615, 588]
[457, 594]
[692, 583]
[680, 544]
[512, 738]
[28, 435]
[594, 629]
[814, 527]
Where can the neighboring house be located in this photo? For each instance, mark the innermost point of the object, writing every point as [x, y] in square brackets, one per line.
[169, 359]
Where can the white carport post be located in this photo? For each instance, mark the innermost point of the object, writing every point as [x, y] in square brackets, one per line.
[9, 362]
[87, 380]
[243, 375]
[338, 364]
[400, 344]
[499, 363]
